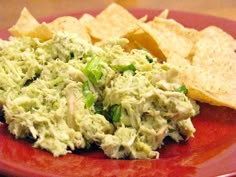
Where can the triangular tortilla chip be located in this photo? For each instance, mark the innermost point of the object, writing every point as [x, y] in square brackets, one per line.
[41, 31]
[85, 19]
[172, 37]
[69, 24]
[164, 37]
[210, 72]
[113, 22]
[24, 24]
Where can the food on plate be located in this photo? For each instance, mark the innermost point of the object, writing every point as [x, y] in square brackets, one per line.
[67, 93]
[112, 80]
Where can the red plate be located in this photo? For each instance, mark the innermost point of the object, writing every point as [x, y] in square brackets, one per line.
[211, 153]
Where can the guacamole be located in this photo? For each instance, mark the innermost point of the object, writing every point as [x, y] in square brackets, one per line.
[68, 94]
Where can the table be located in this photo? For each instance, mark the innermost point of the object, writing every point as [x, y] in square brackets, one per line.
[10, 9]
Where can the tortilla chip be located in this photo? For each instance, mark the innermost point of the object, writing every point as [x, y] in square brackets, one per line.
[141, 39]
[69, 24]
[85, 19]
[27, 25]
[172, 37]
[143, 19]
[164, 14]
[41, 31]
[163, 37]
[24, 24]
[113, 22]
[210, 73]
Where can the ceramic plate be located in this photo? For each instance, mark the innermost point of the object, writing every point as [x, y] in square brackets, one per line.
[211, 153]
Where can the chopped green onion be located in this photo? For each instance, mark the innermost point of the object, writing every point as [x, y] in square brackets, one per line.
[130, 67]
[88, 95]
[98, 107]
[93, 70]
[114, 113]
[182, 89]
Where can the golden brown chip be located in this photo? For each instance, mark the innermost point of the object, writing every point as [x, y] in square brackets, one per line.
[113, 22]
[24, 25]
[210, 73]
[69, 24]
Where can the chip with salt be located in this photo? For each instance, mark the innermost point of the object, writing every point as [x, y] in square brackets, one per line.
[113, 22]
[24, 24]
[209, 73]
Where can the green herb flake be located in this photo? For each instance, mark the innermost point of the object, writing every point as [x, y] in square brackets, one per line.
[149, 59]
[114, 113]
[130, 67]
[98, 106]
[182, 89]
[93, 70]
[88, 95]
